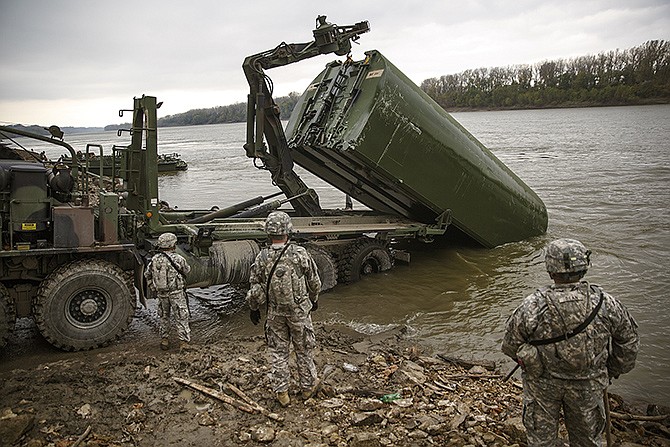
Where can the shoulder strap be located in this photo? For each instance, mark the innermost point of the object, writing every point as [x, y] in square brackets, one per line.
[575, 331]
[174, 264]
[272, 272]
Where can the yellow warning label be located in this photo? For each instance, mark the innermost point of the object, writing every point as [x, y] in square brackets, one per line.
[29, 226]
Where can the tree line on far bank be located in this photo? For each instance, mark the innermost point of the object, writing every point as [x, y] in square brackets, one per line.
[639, 75]
[234, 113]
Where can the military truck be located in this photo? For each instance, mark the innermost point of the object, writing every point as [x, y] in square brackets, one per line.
[74, 261]
[72, 257]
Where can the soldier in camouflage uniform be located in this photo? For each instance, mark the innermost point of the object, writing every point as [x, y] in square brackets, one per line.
[289, 296]
[165, 277]
[571, 338]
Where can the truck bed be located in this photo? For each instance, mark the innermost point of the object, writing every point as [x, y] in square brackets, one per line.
[342, 225]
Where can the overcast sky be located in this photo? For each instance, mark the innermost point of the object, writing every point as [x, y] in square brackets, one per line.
[76, 62]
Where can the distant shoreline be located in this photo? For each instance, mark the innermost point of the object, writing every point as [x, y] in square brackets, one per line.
[656, 102]
[114, 127]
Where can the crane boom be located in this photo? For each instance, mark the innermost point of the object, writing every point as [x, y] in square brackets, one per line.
[263, 120]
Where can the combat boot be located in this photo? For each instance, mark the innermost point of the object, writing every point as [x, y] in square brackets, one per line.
[311, 392]
[283, 398]
[165, 344]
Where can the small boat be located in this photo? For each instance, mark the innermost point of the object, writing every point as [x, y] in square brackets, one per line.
[171, 163]
[166, 163]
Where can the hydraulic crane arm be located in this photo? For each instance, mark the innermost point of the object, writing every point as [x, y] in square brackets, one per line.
[263, 114]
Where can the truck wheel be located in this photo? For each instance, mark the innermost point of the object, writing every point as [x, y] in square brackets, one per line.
[326, 265]
[7, 315]
[362, 257]
[85, 304]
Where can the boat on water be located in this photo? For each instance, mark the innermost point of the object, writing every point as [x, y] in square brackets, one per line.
[166, 163]
[171, 162]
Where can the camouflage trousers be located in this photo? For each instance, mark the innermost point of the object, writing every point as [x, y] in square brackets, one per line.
[583, 411]
[280, 333]
[174, 305]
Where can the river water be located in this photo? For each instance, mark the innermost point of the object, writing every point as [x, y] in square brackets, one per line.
[603, 174]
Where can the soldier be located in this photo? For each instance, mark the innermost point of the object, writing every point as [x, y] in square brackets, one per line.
[570, 338]
[285, 278]
[165, 276]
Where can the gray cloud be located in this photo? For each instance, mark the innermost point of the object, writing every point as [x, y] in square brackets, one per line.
[57, 54]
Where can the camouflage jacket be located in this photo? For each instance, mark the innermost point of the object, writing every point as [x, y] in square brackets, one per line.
[295, 283]
[161, 275]
[556, 310]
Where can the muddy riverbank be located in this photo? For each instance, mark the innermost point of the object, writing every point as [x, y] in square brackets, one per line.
[378, 390]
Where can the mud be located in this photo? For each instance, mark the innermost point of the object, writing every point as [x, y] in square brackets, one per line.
[378, 390]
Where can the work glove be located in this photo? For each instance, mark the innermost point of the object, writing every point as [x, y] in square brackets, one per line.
[315, 305]
[255, 316]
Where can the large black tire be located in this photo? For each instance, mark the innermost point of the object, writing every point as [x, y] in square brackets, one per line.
[361, 257]
[7, 315]
[85, 304]
[326, 265]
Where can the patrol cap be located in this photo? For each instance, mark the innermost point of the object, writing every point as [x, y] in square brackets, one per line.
[567, 256]
[167, 240]
[278, 223]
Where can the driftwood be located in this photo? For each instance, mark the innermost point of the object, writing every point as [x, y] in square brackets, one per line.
[638, 417]
[341, 351]
[327, 371]
[471, 376]
[608, 419]
[467, 364]
[262, 410]
[83, 436]
[242, 395]
[217, 395]
[243, 406]
[361, 392]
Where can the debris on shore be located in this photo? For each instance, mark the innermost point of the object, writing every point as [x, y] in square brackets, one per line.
[377, 390]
